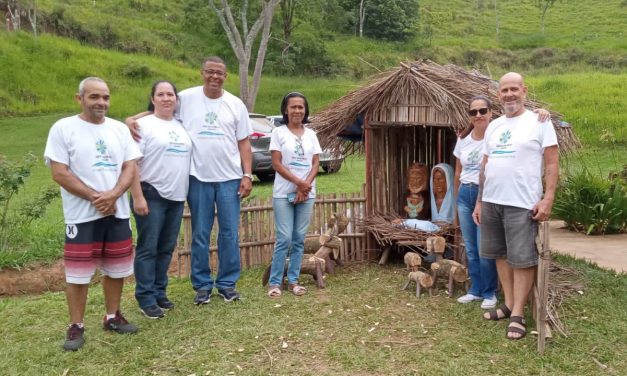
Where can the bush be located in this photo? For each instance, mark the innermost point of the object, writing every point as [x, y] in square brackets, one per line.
[12, 179]
[593, 205]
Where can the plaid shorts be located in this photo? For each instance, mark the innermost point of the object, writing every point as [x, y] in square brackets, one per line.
[105, 243]
[508, 232]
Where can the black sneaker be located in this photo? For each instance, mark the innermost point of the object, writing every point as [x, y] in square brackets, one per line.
[165, 303]
[229, 294]
[119, 324]
[202, 297]
[74, 338]
[152, 312]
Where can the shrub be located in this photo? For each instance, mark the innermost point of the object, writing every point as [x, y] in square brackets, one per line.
[12, 179]
[135, 70]
[593, 205]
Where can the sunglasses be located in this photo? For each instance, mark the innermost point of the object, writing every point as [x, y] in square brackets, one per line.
[482, 111]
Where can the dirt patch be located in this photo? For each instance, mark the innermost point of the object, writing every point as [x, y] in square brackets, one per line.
[39, 278]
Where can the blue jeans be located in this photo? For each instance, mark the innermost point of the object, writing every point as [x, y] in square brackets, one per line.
[157, 234]
[203, 199]
[483, 276]
[291, 223]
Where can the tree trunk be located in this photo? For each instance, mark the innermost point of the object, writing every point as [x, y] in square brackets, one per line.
[362, 17]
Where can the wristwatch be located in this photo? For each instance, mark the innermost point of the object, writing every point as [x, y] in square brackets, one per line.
[250, 176]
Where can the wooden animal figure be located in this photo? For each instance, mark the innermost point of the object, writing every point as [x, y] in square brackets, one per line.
[454, 271]
[320, 262]
[436, 246]
[422, 279]
[413, 261]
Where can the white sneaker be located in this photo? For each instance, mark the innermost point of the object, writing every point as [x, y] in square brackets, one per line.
[468, 298]
[489, 303]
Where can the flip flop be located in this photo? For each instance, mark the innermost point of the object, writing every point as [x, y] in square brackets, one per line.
[514, 329]
[297, 289]
[274, 292]
[494, 314]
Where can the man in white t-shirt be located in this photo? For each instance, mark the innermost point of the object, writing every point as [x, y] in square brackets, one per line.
[220, 176]
[510, 201]
[93, 159]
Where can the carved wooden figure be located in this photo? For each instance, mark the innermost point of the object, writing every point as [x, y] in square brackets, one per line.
[417, 201]
[412, 260]
[454, 271]
[422, 279]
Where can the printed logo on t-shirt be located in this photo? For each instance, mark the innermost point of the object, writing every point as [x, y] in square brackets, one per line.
[210, 127]
[504, 147]
[71, 231]
[104, 161]
[175, 147]
[473, 160]
[298, 158]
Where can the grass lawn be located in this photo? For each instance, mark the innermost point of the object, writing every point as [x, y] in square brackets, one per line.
[361, 324]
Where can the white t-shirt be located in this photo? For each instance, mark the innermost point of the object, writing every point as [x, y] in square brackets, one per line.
[214, 126]
[470, 153]
[167, 151]
[297, 155]
[515, 149]
[95, 154]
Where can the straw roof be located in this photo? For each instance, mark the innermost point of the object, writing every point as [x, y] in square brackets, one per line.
[445, 88]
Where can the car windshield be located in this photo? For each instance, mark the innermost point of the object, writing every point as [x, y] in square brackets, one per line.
[261, 124]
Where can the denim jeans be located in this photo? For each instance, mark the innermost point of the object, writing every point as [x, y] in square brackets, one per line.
[157, 234]
[203, 199]
[483, 276]
[291, 222]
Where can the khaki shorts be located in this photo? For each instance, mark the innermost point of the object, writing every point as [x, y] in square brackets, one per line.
[508, 232]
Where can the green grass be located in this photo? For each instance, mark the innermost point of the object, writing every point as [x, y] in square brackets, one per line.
[361, 324]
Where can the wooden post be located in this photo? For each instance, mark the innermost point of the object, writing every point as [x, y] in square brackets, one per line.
[541, 288]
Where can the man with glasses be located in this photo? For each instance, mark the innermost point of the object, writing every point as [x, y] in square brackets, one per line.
[510, 201]
[220, 176]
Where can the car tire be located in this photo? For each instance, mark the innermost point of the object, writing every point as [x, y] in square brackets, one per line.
[266, 177]
[332, 167]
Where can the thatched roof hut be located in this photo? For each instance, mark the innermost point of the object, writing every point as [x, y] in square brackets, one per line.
[420, 93]
[410, 114]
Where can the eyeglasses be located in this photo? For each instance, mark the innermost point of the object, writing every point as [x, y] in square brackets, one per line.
[482, 111]
[213, 73]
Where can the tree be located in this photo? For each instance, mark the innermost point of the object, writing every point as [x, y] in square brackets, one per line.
[242, 41]
[393, 20]
[544, 6]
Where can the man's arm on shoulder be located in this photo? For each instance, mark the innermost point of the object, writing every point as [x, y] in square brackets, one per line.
[133, 126]
[542, 210]
[62, 175]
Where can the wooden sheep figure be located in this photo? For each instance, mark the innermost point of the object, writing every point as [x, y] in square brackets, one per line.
[319, 263]
[454, 271]
[436, 246]
[422, 279]
[413, 261]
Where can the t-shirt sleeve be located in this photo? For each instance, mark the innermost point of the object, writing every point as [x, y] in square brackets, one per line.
[132, 149]
[244, 128]
[316, 143]
[56, 150]
[457, 151]
[275, 143]
[549, 137]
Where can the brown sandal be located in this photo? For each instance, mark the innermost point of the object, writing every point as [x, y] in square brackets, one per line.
[274, 291]
[514, 329]
[494, 313]
[297, 289]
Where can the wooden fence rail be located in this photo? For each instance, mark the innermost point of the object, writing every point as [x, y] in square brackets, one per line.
[256, 230]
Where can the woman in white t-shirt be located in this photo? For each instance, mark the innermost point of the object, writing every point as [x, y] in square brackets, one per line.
[295, 158]
[158, 196]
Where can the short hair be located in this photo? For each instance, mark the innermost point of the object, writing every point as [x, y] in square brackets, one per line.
[487, 101]
[151, 107]
[286, 98]
[81, 85]
[213, 59]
